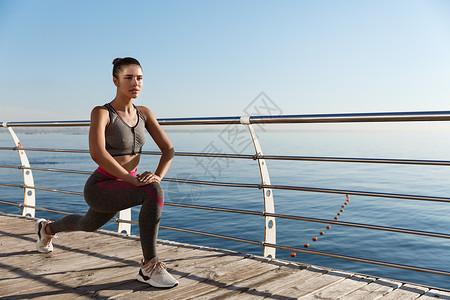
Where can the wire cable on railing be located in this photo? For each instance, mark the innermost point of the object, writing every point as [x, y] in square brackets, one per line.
[46, 169]
[45, 149]
[269, 157]
[42, 189]
[311, 189]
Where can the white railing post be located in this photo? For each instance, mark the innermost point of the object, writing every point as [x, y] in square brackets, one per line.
[270, 231]
[29, 197]
[124, 215]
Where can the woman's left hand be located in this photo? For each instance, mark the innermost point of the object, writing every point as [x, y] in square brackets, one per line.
[148, 177]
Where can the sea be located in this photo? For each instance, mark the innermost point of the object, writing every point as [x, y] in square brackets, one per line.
[389, 140]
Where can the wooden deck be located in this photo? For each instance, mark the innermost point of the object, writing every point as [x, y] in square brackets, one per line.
[103, 265]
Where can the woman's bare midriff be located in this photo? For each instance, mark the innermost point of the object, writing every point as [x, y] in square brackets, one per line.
[129, 162]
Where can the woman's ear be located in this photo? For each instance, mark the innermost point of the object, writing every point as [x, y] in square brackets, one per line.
[116, 81]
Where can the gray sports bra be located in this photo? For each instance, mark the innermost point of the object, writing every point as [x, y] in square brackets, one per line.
[121, 139]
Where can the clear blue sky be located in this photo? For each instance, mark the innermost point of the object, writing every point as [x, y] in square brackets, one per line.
[212, 58]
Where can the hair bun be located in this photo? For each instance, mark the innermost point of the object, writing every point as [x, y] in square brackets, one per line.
[116, 60]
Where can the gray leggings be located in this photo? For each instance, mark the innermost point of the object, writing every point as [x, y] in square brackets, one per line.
[106, 197]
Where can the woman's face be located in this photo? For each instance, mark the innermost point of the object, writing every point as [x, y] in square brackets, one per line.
[130, 81]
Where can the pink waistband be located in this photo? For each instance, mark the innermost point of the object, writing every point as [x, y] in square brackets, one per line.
[104, 172]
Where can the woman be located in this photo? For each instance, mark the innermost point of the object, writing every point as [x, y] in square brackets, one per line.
[116, 136]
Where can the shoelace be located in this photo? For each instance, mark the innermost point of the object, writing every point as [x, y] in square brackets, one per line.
[159, 267]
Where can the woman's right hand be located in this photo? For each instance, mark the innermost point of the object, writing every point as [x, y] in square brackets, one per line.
[136, 182]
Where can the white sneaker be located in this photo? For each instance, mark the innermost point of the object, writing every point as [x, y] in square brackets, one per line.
[44, 240]
[155, 273]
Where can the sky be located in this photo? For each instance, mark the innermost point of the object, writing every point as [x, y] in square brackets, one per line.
[215, 58]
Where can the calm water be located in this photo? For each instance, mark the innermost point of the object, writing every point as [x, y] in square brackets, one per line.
[330, 140]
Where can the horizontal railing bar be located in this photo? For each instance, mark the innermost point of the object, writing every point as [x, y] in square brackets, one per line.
[239, 211]
[213, 235]
[358, 259]
[12, 185]
[316, 220]
[46, 169]
[214, 183]
[359, 160]
[35, 207]
[315, 190]
[269, 157]
[41, 189]
[312, 158]
[53, 190]
[203, 154]
[278, 119]
[360, 225]
[356, 117]
[263, 244]
[48, 124]
[45, 149]
[357, 193]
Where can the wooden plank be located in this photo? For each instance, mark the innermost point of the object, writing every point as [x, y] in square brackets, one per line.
[227, 275]
[406, 292]
[315, 284]
[340, 289]
[242, 289]
[276, 287]
[435, 294]
[373, 290]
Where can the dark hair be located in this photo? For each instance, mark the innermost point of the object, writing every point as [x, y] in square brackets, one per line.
[120, 63]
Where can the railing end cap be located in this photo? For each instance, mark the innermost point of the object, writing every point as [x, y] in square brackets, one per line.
[4, 124]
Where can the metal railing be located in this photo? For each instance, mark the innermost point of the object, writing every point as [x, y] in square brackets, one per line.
[269, 244]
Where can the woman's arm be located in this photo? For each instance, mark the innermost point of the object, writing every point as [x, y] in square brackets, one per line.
[161, 140]
[97, 146]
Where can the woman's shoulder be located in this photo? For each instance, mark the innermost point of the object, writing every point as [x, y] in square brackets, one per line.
[99, 112]
[143, 108]
[100, 109]
[145, 111]
[148, 115]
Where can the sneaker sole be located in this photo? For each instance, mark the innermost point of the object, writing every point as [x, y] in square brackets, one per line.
[154, 284]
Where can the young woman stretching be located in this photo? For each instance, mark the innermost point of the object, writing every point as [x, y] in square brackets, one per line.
[116, 136]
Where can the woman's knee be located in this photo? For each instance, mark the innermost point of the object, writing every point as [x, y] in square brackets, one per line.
[154, 194]
[158, 190]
